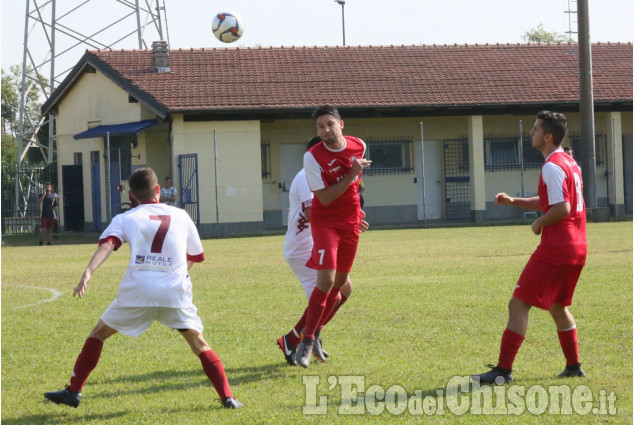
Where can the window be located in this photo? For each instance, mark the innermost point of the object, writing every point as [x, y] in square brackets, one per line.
[601, 147]
[265, 159]
[389, 156]
[77, 158]
[120, 146]
[502, 153]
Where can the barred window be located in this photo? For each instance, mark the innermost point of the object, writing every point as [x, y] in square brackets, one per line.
[389, 156]
[502, 153]
[265, 159]
[601, 147]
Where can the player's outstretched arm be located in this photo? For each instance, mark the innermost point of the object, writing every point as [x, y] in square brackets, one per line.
[532, 203]
[101, 254]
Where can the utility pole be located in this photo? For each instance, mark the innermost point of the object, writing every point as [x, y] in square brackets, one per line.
[587, 120]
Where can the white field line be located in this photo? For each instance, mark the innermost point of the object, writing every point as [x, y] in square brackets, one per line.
[54, 295]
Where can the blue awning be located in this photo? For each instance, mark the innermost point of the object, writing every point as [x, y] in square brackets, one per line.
[129, 127]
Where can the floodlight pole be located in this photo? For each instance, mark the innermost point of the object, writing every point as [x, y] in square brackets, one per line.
[342, 3]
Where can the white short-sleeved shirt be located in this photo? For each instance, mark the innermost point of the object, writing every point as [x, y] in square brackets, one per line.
[298, 242]
[168, 193]
[162, 239]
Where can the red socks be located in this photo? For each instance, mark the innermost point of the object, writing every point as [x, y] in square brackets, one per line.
[214, 370]
[510, 344]
[317, 304]
[86, 362]
[569, 343]
[327, 317]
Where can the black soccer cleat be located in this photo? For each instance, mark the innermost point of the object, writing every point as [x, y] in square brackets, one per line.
[64, 396]
[303, 353]
[496, 376]
[574, 371]
[232, 403]
[287, 349]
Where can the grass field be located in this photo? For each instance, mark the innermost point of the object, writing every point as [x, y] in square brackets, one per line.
[428, 305]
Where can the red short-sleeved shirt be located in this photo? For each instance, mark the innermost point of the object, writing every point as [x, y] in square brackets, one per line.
[325, 167]
[561, 181]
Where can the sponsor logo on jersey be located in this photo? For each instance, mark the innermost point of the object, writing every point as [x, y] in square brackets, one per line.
[153, 263]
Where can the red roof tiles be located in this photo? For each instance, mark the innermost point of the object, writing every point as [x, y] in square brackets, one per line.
[387, 76]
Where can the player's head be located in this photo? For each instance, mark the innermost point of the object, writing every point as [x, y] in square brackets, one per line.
[47, 187]
[326, 110]
[329, 124]
[568, 150]
[314, 141]
[553, 123]
[144, 184]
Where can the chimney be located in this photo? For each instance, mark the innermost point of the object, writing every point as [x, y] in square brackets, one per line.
[160, 56]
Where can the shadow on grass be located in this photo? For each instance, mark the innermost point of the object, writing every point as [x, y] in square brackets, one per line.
[172, 380]
[60, 418]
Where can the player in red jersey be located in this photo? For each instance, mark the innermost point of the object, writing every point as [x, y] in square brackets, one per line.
[333, 169]
[164, 245]
[549, 278]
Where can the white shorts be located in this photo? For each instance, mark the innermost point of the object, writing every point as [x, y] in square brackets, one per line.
[134, 321]
[306, 275]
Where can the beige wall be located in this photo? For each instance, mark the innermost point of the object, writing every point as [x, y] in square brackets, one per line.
[239, 168]
[95, 100]
[242, 192]
[381, 190]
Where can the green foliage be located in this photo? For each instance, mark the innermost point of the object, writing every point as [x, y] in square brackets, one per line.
[427, 305]
[11, 94]
[541, 35]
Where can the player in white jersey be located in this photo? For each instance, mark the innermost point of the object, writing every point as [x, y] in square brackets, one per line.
[297, 248]
[164, 245]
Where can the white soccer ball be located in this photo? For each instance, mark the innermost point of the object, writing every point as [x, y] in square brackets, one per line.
[227, 27]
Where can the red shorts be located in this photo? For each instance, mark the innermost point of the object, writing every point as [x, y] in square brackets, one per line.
[333, 249]
[47, 223]
[542, 284]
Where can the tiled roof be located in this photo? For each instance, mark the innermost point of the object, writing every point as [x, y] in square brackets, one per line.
[366, 77]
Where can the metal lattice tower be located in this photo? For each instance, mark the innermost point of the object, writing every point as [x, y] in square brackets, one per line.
[572, 15]
[67, 31]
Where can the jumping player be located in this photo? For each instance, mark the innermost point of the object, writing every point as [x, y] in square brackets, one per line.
[333, 169]
[297, 248]
[164, 245]
[550, 277]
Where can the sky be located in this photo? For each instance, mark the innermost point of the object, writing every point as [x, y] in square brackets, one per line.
[313, 22]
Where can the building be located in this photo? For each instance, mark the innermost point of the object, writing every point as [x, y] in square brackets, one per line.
[230, 126]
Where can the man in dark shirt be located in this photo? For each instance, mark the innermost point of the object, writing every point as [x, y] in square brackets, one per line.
[49, 212]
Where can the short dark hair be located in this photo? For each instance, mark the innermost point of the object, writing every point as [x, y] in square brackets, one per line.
[326, 110]
[168, 178]
[314, 141]
[554, 123]
[143, 183]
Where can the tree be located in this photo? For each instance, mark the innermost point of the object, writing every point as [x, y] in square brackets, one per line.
[11, 92]
[541, 35]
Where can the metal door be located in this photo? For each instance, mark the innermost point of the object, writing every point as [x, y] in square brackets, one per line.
[73, 197]
[457, 179]
[188, 186]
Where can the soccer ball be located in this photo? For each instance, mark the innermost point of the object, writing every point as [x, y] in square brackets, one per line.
[227, 27]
